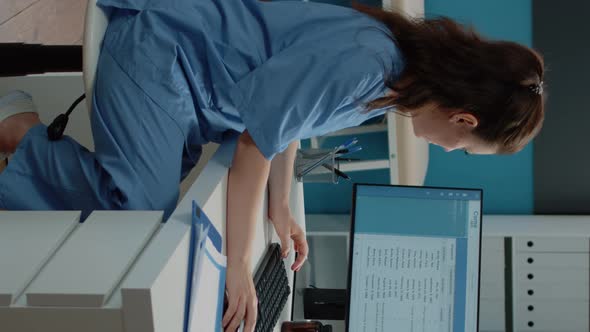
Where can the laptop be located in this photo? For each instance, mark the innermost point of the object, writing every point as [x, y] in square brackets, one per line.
[414, 260]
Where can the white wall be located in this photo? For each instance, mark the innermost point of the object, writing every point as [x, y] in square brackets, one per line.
[53, 94]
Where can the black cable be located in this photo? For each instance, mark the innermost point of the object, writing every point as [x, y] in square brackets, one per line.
[56, 129]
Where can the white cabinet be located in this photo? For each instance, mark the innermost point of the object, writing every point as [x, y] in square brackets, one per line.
[551, 315]
[551, 244]
[551, 284]
[548, 272]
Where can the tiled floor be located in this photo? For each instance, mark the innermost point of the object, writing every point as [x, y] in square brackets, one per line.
[50, 22]
[60, 22]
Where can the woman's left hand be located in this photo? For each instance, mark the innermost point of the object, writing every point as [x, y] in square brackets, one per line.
[288, 230]
[241, 296]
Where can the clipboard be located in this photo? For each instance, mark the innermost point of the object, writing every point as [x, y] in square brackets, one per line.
[206, 269]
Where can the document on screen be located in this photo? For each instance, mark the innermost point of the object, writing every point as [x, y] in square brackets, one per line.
[403, 282]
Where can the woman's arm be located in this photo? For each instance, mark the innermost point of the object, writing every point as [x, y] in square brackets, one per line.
[279, 187]
[247, 180]
[279, 181]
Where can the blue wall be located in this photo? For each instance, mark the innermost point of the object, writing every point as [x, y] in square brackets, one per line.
[507, 180]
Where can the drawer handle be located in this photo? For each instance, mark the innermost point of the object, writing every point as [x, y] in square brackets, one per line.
[530, 276]
[531, 324]
[531, 292]
[530, 260]
[531, 308]
[530, 243]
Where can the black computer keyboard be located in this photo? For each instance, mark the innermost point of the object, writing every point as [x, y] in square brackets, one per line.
[272, 288]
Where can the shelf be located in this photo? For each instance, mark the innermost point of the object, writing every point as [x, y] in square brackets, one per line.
[327, 224]
[357, 166]
[363, 129]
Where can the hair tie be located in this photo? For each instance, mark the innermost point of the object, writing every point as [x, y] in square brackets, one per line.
[537, 88]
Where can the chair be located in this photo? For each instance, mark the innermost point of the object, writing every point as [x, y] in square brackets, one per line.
[95, 26]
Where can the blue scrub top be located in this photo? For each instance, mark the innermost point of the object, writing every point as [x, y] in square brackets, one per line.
[282, 70]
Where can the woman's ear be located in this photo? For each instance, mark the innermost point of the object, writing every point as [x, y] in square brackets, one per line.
[465, 119]
[392, 93]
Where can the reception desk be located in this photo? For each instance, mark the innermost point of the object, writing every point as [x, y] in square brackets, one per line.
[119, 270]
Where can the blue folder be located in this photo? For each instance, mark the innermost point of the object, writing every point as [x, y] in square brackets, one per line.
[202, 228]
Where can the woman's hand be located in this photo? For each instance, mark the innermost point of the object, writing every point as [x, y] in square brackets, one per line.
[288, 229]
[242, 301]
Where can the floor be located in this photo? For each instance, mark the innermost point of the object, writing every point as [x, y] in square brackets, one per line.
[49, 22]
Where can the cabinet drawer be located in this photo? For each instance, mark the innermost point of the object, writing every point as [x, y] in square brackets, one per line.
[571, 261]
[551, 316]
[554, 276]
[532, 291]
[550, 244]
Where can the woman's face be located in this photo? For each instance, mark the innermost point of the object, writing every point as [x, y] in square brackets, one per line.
[451, 129]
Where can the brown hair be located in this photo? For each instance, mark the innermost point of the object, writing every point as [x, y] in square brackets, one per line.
[452, 66]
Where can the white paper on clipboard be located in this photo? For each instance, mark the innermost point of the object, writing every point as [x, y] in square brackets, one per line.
[206, 287]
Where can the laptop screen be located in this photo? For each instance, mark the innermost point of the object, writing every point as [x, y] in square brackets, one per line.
[414, 259]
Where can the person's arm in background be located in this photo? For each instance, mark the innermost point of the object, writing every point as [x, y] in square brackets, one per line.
[247, 180]
[279, 187]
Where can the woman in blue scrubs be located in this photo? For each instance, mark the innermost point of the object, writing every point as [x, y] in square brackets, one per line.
[174, 75]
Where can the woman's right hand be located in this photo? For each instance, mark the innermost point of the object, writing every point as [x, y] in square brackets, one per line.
[241, 296]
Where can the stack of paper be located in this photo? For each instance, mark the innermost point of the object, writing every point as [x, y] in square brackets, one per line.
[206, 276]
